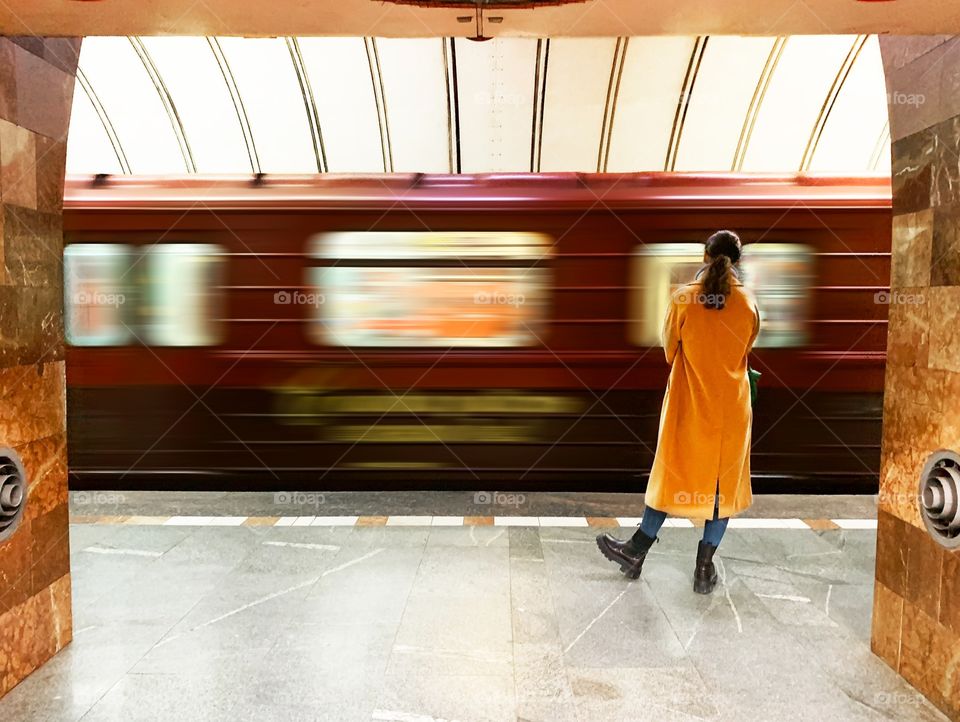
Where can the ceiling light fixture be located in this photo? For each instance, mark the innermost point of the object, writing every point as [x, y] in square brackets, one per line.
[480, 6]
[478, 35]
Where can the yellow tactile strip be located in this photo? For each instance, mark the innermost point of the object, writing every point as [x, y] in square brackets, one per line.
[146, 520]
[821, 524]
[574, 521]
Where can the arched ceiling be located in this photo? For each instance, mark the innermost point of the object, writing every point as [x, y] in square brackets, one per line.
[174, 105]
[438, 18]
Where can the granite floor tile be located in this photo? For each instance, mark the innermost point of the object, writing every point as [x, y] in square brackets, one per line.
[85, 670]
[862, 676]
[665, 693]
[524, 543]
[462, 623]
[542, 684]
[178, 697]
[467, 536]
[410, 695]
[474, 638]
[533, 613]
[441, 503]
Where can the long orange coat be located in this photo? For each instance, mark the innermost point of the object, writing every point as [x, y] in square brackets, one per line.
[704, 436]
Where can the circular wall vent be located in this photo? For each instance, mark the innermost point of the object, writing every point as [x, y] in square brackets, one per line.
[13, 492]
[940, 497]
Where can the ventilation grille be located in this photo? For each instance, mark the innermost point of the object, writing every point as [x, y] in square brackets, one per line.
[940, 497]
[13, 492]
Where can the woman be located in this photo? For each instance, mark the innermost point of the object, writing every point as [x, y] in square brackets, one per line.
[702, 466]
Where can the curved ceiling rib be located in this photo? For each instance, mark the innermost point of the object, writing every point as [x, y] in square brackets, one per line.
[811, 103]
[376, 78]
[539, 103]
[309, 103]
[104, 120]
[237, 103]
[176, 123]
[683, 102]
[610, 107]
[829, 101]
[883, 144]
[453, 103]
[759, 94]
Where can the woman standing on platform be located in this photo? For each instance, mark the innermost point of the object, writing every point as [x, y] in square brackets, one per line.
[702, 466]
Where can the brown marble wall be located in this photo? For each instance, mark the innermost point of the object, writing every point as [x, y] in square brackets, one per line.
[36, 88]
[916, 620]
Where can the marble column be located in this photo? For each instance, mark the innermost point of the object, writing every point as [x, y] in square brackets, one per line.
[36, 90]
[916, 620]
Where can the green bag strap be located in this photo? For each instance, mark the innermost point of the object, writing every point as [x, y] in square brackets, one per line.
[754, 376]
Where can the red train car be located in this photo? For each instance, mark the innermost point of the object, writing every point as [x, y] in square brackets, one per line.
[453, 331]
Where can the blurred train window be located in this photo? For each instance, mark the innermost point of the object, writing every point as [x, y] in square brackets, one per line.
[183, 299]
[657, 270]
[97, 294]
[778, 274]
[392, 289]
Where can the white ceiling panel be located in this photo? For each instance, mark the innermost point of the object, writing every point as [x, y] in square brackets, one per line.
[578, 80]
[176, 105]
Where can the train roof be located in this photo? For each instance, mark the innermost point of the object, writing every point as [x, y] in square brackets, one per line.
[545, 191]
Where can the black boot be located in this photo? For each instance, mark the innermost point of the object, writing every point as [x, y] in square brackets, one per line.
[705, 575]
[629, 554]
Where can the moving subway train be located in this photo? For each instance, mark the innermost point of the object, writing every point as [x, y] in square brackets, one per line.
[455, 331]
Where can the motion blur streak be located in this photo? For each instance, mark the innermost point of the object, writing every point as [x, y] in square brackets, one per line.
[779, 275]
[483, 289]
[487, 331]
[162, 295]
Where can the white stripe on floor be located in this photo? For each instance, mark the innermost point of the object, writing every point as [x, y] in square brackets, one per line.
[516, 521]
[301, 545]
[408, 520]
[754, 523]
[785, 597]
[855, 523]
[188, 521]
[128, 552]
[226, 520]
[563, 521]
[456, 521]
[334, 520]
[670, 521]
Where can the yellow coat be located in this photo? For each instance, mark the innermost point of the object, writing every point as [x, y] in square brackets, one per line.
[704, 435]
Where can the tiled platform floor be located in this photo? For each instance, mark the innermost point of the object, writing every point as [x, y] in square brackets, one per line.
[273, 505]
[420, 623]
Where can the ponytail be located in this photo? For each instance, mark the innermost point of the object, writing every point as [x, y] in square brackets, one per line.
[716, 283]
[723, 251]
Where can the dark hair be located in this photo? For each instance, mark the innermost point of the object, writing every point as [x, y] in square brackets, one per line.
[723, 250]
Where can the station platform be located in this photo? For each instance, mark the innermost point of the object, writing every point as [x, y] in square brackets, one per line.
[419, 607]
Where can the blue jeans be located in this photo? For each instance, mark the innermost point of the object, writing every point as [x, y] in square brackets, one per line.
[712, 531]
